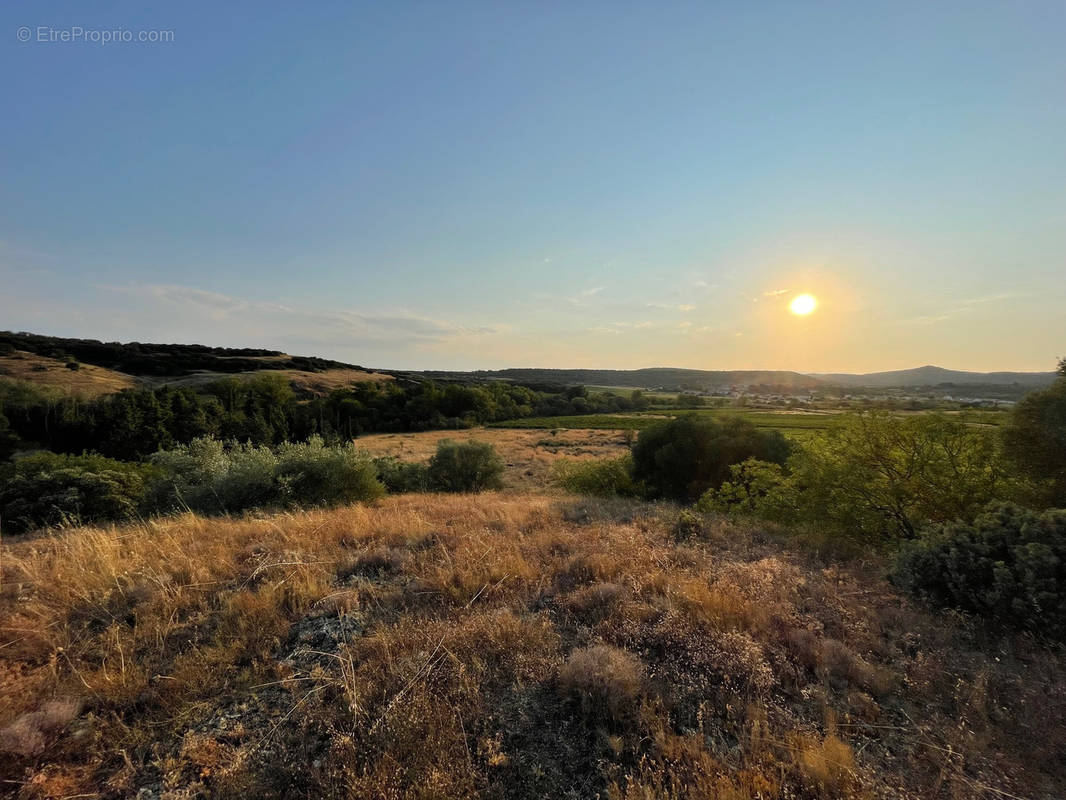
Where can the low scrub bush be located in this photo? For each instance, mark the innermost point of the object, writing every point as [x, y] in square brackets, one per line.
[207, 476]
[211, 477]
[754, 487]
[465, 467]
[607, 682]
[604, 477]
[400, 477]
[684, 457]
[688, 525]
[48, 489]
[313, 474]
[1009, 566]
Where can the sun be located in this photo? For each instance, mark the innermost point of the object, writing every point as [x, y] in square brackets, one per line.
[803, 304]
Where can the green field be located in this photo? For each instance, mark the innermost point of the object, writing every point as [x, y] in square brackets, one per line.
[617, 422]
[795, 424]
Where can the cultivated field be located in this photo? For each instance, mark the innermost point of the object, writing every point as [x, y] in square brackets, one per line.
[796, 424]
[502, 645]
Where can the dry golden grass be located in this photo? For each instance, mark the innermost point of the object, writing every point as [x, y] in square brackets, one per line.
[90, 381]
[315, 383]
[528, 454]
[326, 381]
[87, 380]
[498, 645]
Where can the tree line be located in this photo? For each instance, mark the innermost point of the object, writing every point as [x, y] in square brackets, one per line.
[264, 410]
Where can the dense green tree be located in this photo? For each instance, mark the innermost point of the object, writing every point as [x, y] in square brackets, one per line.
[684, 457]
[8, 439]
[1035, 440]
[191, 416]
[875, 477]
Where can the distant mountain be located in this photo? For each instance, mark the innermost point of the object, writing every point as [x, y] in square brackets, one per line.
[934, 376]
[667, 378]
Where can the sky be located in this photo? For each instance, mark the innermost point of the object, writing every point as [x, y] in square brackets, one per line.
[556, 184]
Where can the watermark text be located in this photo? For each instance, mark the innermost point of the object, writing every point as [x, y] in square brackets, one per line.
[76, 34]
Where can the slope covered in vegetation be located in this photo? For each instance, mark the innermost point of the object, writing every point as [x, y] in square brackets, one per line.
[142, 358]
[499, 645]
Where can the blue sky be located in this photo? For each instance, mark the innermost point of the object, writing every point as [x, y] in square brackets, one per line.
[460, 185]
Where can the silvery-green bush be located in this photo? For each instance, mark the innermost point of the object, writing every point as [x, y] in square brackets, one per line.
[465, 467]
[211, 477]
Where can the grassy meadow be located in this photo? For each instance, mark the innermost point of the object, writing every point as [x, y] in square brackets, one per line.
[528, 455]
[519, 645]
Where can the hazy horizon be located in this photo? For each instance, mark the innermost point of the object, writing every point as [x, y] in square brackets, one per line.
[478, 186]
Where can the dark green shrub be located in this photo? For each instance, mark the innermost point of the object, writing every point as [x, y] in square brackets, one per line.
[400, 477]
[1008, 566]
[9, 442]
[465, 467]
[1035, 440]
[684, 457]
[47, 489]
[602, 477]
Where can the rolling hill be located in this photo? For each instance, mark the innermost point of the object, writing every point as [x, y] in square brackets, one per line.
[115, 365]
[89, 367]
[934, 376]
[668, 378]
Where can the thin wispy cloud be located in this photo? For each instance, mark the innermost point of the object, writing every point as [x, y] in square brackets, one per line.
[682, 307]
[213, 304]
[959, 307]
[581, 297]
[332, 326]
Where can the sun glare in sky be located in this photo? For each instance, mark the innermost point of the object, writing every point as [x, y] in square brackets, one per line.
[803, 304]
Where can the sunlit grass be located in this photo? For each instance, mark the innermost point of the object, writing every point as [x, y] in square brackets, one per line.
[494, 645]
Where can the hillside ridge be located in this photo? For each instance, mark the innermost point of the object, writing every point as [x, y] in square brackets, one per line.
[148, 360]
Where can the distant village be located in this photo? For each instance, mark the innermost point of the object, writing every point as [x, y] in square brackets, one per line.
[918, 397]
